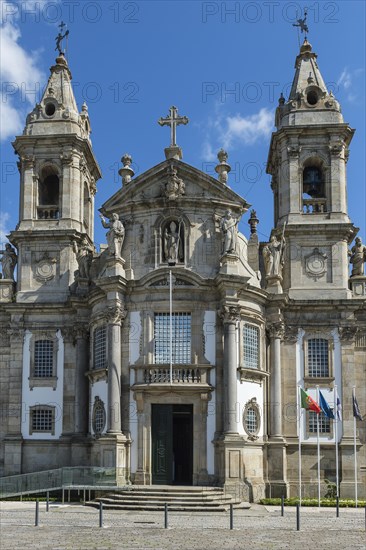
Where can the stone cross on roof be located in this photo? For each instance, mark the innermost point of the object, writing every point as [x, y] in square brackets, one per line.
[173, 120]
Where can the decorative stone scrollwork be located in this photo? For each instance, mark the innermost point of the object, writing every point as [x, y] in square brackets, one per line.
[116, 314]
[336, 149]
[293, 151]
[316, 264]
[348, 334]
[175, 187]
[45, 268]
[229, 314]
[66, 157]
[28, 161]
[291, 334]
[276, 330]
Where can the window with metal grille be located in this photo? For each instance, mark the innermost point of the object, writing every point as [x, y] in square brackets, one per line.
[99, 416]
[251, 347]
[318, 357]
[181, 338]
[324, 423]
[42, 420]
[100, 347]
[43, 359]
[251, 420]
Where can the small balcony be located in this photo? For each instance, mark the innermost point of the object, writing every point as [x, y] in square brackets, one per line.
[182, 375]
[48, 212]
[314, 206]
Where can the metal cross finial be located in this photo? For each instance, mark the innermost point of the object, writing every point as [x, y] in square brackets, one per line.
[59, 38]
[173, 120]
[301, 23]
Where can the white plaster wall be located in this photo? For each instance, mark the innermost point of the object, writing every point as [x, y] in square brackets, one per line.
[328, 393]
[134, 336]
[42, 395]
[245, 392]
[99, 389]
[133, 428]
[209, 331]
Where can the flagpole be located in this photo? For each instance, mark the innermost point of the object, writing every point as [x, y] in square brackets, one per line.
[354, 440]
[299, 434]
[171, 327]
[335, 413]
[318, 444]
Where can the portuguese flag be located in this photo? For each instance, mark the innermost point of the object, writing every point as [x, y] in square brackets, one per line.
[308, 402]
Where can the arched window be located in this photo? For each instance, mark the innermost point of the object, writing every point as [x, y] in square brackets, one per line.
[173, 242]
[313, 182]
[48, 194]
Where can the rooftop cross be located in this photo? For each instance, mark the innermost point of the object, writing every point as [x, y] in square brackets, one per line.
[173, 120]
[59, 38]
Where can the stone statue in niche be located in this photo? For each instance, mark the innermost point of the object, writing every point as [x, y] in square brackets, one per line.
[273, 256]
[172, 243]
[229, 229]
[8, 262]
[357, 258]
[115, 235]
[84, 256]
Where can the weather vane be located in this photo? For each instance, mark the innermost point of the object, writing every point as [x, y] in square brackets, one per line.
[301, 23]
[60, 37]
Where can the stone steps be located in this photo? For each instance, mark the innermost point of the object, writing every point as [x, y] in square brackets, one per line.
[179, 499]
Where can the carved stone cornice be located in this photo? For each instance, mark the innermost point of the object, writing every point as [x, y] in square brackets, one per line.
[116, 314]
[229, 314]
[276, 330]
[348, 335]
[291, 334]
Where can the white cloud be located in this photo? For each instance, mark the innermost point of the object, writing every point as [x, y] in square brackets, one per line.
[4, 218]
[247, 130]
[233, 131]
[346, 83]
[19, 69]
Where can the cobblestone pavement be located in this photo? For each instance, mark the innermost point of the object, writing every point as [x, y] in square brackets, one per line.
[74, 527]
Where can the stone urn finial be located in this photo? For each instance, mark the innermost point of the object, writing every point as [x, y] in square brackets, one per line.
[126, 172]
[223, 168]
[253, 221]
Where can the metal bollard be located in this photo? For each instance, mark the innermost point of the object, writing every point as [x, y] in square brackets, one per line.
[100, 514]
[337, 507]
[231, 516]
[282, 506]
[36, 521]
[47, 501]
[165, 516]
[298, 517]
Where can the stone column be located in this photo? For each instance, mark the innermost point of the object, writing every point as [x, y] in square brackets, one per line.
[230, 316]
[203, 475]
[276, 332]
[81, 382]
[115, 316]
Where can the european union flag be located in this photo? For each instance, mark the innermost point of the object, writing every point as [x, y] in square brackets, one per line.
[325, 407]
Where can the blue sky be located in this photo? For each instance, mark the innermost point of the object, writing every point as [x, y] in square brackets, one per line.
[223, 64]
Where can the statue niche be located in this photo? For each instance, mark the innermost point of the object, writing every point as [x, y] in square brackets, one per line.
[173, 242]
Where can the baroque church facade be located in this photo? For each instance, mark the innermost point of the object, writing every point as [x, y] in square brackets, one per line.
[175, 353]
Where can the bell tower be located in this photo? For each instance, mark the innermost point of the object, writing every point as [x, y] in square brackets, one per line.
[58, 175]
[307, 162]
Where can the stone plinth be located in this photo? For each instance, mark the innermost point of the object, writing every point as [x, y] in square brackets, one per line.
[173, 153]
[274, 284]
[82, 286]
[114, 267]
[229, 264]
[113, 451]
[7, 288]
[358, 286]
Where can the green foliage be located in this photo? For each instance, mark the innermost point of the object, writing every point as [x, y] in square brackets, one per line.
[324, 502]
[331, 489]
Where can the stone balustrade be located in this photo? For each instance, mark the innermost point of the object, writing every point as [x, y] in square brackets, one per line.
[314, 206]
[48, 212]
[190, 374]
